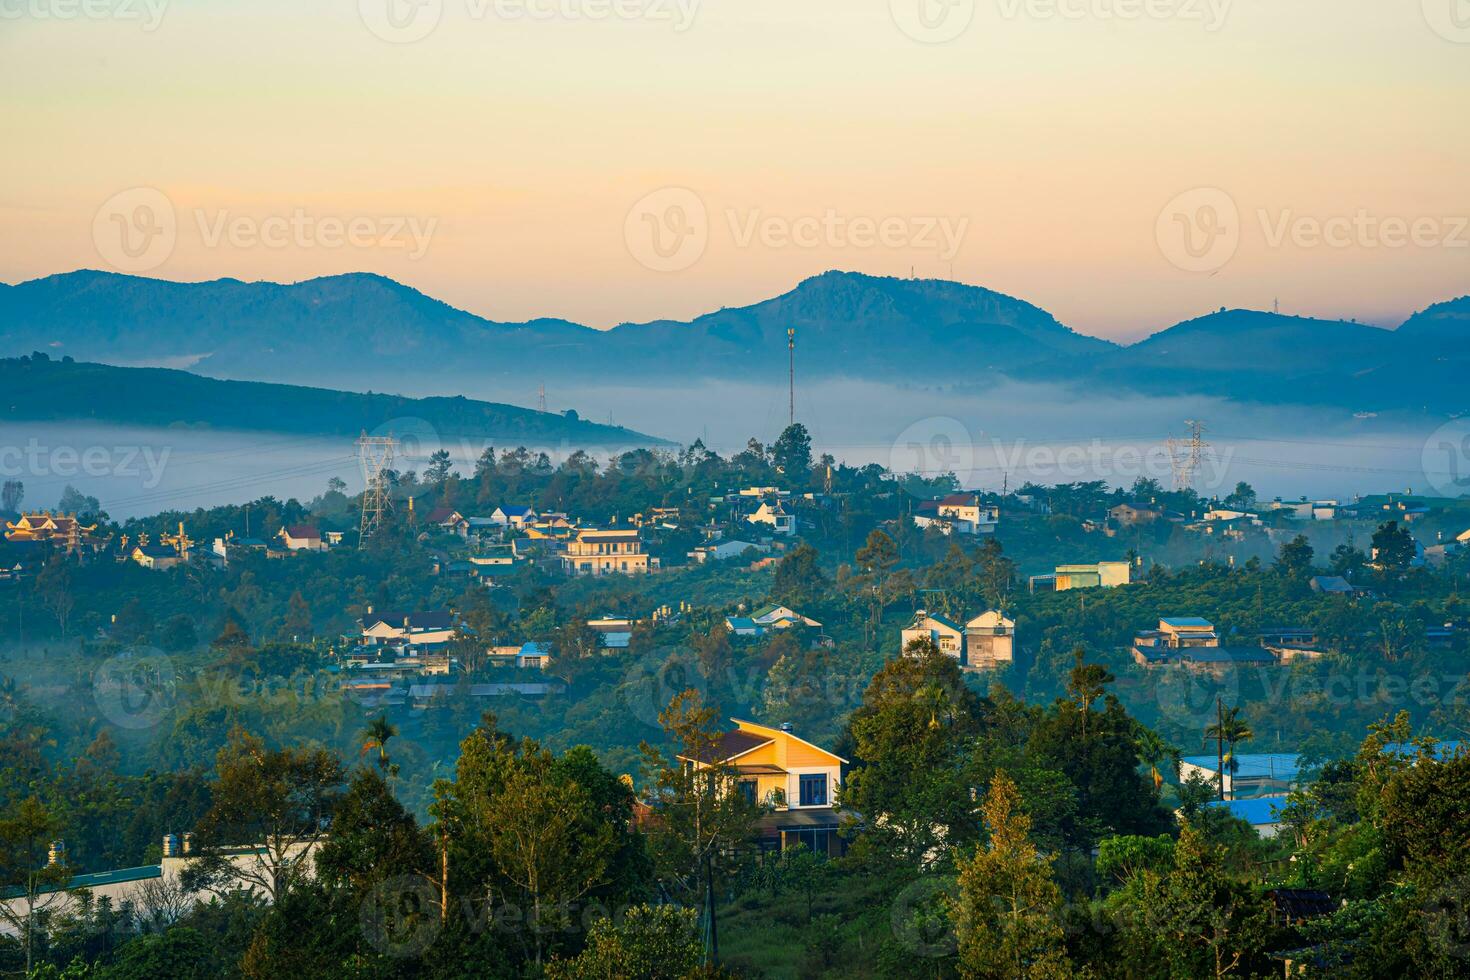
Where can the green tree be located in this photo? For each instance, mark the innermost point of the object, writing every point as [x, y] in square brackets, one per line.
[799, 579]
[656, 942]
[1007, 910]
[27, 831]
[1393, 548]
[1295, 560]
[280, 800]
[698, 819]
[792, 454]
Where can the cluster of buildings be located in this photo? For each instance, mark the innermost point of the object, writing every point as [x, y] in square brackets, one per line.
[1192, 642]
[986, 642]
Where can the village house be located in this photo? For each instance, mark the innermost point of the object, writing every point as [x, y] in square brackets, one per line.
[609, 551]
[947, 635]
[1157, 646]
[301, 537]
[797, 779]
[724, 551]
[530, 655]
[158, 557]
[448, 520]
[511, 515]
[414, 630]
[1102, 574]
[1192, 643]
[1131, 514]
[769, 617]
[775, 515]
[989, 641]
[958, 513]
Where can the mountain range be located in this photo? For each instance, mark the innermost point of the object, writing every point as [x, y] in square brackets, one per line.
[365, 331]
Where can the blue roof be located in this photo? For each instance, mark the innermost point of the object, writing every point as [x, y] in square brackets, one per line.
[1275, 765]
[536, 649]
[1257, 812]
[1442, 751]
[1188, 621]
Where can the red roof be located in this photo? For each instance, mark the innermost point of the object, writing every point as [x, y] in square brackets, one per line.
[303, 531]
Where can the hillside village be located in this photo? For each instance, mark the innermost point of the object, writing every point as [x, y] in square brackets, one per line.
[577, 602]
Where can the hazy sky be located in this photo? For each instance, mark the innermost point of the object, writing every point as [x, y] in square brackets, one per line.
[611, 160]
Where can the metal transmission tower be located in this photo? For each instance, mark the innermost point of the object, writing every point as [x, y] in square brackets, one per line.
[791, 371]
[376, 453]
[1185, 455]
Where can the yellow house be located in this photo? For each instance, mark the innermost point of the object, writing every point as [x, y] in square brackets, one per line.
[607, 552]
[797, 779]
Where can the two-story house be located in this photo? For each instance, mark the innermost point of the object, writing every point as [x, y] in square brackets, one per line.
[607, 552]
[799, 781]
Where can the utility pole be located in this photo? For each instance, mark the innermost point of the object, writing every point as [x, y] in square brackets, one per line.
[376, 453]
[791, 371]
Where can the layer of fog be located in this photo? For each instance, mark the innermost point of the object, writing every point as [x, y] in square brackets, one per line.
[989, 436]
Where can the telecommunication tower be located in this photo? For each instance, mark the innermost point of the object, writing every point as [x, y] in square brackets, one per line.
[791, 372]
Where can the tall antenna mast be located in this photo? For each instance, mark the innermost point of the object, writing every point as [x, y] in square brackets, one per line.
[791, 370]
[376, 453]
[541, 396]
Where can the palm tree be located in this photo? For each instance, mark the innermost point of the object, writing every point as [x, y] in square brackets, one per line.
[1230, 729]
[376, 736]
[1153, 751]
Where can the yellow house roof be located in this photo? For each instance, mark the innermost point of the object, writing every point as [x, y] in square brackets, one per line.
[785, 740]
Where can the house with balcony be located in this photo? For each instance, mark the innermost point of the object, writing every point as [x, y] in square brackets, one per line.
[797, 781]
[610, 551]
